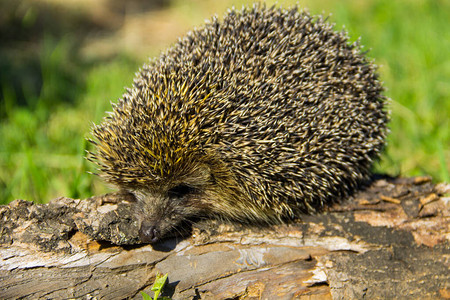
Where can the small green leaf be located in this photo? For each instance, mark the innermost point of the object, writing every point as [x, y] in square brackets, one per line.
[159, 284]
[146, 296]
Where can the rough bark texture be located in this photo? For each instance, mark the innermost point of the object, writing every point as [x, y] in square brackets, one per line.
[390, 240]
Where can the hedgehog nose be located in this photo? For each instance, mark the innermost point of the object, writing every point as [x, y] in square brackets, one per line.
[148, 233]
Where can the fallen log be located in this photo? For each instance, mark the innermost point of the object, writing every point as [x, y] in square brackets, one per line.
[390, 240]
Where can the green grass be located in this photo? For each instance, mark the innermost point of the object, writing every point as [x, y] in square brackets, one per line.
[45, 142]
[42, 135]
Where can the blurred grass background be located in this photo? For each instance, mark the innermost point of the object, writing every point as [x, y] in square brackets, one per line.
[62, 62]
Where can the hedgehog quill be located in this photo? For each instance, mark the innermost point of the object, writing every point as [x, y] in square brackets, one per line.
[255, 118]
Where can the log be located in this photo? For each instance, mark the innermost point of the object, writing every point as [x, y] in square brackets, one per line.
[389, 240]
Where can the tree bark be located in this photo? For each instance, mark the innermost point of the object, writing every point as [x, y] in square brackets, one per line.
[390, 240]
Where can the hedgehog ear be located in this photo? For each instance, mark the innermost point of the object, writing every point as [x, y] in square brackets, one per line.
[198, 176]
[204, 171]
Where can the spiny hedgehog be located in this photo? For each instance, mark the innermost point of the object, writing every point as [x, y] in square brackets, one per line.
[257, 118]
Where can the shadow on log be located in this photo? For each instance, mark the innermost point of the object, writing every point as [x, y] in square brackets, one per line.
[390, 240]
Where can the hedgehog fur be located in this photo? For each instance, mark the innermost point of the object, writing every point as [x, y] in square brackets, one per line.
[259, 117]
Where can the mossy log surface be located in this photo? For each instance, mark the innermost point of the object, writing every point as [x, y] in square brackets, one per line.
[390, 240]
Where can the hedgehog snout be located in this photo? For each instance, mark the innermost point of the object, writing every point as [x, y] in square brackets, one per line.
[153, 210]
[148, 233]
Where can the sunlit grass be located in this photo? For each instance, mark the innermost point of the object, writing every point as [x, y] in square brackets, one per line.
[44, 149]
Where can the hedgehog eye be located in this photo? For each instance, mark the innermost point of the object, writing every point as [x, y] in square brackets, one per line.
[180, 191]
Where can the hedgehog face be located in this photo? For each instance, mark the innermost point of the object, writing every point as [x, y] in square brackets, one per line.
[162, 206]
[162, 210]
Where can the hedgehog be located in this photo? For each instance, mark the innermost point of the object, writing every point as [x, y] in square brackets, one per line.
[257, 118]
